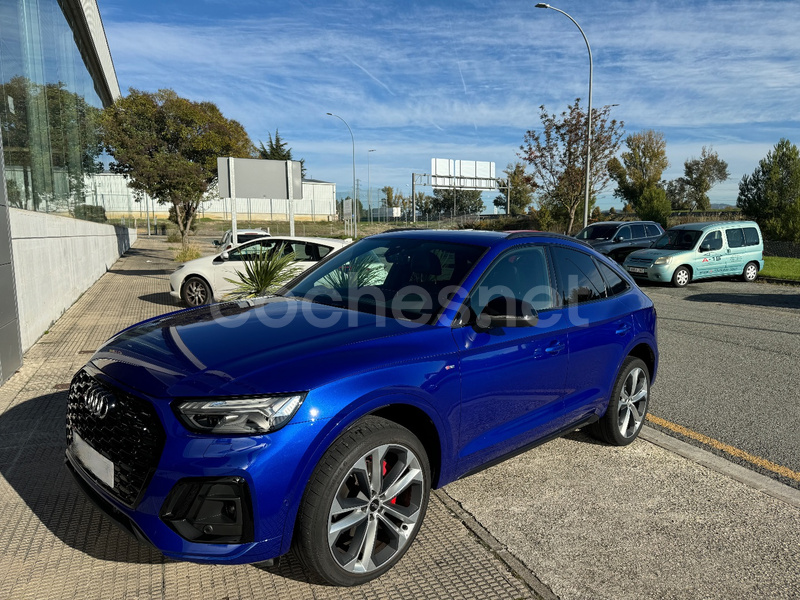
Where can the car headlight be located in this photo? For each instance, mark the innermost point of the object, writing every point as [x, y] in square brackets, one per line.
[239, 416]
[664, 260]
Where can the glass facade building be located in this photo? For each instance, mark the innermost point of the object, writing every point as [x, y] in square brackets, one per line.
[56, 74]
[52, 88]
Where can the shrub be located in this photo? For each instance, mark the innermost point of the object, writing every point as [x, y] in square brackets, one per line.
[264, 274]
[189, 253]
[89, 212]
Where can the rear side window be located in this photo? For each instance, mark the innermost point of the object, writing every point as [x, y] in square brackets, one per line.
[735, 238]
[578, 278]
[652, 230]
[614, 283]
[638, 231]
[751, 236]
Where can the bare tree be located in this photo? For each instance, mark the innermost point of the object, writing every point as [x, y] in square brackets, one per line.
[557, 156]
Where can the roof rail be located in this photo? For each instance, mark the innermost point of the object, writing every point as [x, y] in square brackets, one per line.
[534, 234]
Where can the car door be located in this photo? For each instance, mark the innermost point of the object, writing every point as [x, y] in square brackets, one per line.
[600, 329]
[736, 252]
[512, 377]
[709, 260]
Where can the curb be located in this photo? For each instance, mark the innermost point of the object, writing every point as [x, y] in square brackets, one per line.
[793, 282]
[754, 480]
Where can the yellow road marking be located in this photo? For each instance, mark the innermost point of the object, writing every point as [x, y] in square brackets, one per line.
[732, 450]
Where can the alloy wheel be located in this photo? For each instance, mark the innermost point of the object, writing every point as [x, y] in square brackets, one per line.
[632, 403]
[376, 509]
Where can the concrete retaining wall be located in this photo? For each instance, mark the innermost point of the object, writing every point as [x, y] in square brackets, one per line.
[56, 259]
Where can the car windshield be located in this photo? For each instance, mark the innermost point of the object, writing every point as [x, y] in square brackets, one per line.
[597, 232]
[404, 278]
[678, 239]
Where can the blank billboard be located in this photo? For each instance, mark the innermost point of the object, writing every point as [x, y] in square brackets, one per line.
[259, 178]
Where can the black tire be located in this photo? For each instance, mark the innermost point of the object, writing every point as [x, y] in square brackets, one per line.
[624, 418]
[681, 277]
[750, 272]
[195, 292]
[391, 522]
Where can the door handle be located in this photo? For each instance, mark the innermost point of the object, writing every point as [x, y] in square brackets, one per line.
[623, 329]
[554, 348]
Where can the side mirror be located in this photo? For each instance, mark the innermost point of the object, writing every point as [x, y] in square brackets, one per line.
[216, 243]
[507, 312]
[224, 255]
[618, 238]
[705, 246]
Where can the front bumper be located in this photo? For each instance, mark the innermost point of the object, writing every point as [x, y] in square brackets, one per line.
[652, 273]
[183, 527]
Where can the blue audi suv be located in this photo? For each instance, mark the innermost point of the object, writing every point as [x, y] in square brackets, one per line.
[319, 418]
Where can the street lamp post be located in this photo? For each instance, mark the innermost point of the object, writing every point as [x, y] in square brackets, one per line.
[369, 189]
[589, 114]
[355, 203]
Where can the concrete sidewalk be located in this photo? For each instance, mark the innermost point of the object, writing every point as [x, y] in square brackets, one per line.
[587, 520]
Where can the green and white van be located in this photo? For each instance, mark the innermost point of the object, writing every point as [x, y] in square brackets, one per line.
[699, 250]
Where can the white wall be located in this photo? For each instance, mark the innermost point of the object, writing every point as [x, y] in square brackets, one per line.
[56, 259]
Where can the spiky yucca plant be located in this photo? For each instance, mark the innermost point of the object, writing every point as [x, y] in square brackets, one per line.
[263, 275]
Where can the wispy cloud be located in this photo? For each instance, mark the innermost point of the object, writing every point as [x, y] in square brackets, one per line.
[417, 80]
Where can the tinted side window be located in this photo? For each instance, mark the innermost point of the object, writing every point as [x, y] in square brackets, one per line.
[638, 231]
[735, 238]
[624, 233]
[614, 283]
[520, 273]
[250, 251]
[578, 277]
[652, 230]
[751, 236]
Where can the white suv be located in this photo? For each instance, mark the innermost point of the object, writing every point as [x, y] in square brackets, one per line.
[242, 236]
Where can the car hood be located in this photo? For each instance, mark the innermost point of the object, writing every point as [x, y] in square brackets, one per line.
[654, 253]
[265, 345]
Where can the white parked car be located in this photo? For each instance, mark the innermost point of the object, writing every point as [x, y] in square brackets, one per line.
[242, 236]
[205, 279]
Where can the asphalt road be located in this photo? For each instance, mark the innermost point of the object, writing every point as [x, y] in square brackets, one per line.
[730, 370]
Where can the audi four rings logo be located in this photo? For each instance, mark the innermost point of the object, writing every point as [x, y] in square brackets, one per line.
[99, 403]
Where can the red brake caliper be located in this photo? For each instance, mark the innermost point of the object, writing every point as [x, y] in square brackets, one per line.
[385, 469]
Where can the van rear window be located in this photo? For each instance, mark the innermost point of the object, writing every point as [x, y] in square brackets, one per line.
[751, 236]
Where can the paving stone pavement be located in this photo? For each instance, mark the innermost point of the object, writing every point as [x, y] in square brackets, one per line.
[55, 545]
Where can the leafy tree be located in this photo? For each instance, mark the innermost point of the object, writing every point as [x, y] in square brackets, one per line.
[521, 194]
[167, 147]
[700, 175]
[276, 149]
[557, 156]
[445, 200]
[612, 212]
[771, 195]
[596, 215]
[641, 167]
[653, 205]
[677, 193]
[389, 200]
[424, 204]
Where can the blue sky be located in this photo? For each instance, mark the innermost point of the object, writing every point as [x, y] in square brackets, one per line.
[464, 80]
